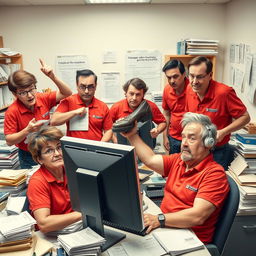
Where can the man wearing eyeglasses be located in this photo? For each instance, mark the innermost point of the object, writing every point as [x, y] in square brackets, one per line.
[84, 103]
[219, 102]
[23, 114]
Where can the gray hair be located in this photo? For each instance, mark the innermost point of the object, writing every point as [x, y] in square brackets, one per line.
[209, 130]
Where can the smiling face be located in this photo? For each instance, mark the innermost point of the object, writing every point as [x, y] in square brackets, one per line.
[199, 79]
[27, 96]
[86, 87]
[193, 150]
[175, 79]
[51, 156]
[134, 96]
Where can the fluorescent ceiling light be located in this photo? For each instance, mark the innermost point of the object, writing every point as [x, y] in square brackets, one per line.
[117, 1]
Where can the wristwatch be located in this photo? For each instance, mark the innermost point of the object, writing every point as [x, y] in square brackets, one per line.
[161, 219]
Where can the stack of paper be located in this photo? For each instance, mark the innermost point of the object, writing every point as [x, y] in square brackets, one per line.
[15, 204]
[201, 47]
[157, 97]
[13, 181]
[178, 241]
[16, 228]
[68, 230]
[84, 242]
[8, 156]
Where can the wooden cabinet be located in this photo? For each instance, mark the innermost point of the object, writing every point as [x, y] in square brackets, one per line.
[187, 58]
[12, 63]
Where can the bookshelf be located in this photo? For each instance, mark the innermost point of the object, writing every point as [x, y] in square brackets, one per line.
[187, 58]
[12, 63]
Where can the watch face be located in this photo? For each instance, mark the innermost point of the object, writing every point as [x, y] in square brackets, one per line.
[161, 217]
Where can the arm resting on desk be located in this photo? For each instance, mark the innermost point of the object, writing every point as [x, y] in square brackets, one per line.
[187, 218]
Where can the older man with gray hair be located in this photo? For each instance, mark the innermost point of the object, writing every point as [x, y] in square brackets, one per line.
[196, 185]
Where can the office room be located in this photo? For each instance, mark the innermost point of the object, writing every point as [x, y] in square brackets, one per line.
[46, 29]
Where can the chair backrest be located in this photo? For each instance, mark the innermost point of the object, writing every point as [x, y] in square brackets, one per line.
[227, 216]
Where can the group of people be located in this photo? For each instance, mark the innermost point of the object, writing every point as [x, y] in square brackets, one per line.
[198, 116]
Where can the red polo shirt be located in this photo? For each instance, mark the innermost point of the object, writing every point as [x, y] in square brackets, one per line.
[176, 105]
[121, 109]
[99, 117]
[207, 181]
[220, 103]
[44, 191]
[18, 116]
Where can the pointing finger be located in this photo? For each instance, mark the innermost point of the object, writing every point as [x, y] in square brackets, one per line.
[41, 62]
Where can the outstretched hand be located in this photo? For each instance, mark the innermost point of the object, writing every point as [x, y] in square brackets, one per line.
[47, 70]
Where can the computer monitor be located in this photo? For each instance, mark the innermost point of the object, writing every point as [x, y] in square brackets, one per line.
[104, 185]
[144, 129]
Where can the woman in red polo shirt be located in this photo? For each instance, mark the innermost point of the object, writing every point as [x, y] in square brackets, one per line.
[48, 193]
[29, 107]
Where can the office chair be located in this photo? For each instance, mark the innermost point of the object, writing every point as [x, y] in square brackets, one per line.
[225, 220]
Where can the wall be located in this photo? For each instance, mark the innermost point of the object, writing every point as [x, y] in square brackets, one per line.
[240, 28]
[52, 30]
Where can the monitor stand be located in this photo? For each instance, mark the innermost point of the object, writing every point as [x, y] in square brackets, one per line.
[112, 237]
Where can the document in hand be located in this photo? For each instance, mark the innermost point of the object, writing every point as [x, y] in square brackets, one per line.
[178, 241]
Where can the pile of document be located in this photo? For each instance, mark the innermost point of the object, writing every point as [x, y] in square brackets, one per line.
[13, 181]
[8, 156]
[157, 97]
[243, 171]
[201, 47]
[84, 242]
[67, 230]
[16, 232]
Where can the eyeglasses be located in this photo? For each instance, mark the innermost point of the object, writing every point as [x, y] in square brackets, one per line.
[25, 93]
[89, 87]
[200, 77]
[51, 151]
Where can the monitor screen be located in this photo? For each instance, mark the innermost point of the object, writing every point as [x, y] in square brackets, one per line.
[144, 129]
[104, 185]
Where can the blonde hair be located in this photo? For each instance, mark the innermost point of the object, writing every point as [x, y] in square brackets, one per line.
[39, 139]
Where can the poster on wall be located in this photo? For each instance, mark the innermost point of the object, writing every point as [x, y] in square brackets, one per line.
[66, 67]
[145, 65]
[110, 87]
[252, 85]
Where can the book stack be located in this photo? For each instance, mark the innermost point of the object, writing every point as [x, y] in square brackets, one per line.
[243, 171]
[8, 156]
[13, 181]
[16, 232]
[83, 242]
[157, 97]
[201, 47]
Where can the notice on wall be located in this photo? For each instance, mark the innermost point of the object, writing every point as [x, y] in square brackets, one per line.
[67, 65]
[145, 65]
[110, 87]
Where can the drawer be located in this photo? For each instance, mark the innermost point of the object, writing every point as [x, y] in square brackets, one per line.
[242, 237]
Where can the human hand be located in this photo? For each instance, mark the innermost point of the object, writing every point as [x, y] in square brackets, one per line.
[150, 221]
[47, 70]
[33, 125]
[130, 133]
[166, 143]
[81, 111]
[220, 135]
[154, 133]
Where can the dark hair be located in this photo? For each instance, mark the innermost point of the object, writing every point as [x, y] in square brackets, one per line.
[137, 83]
[174, 64]
[85, 72]
[201, 59]
[20, 79]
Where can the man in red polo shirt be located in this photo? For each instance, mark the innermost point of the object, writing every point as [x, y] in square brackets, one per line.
[81, 104]
[174, 100]
[219, 102]
[135, 90]
[29, 107]
[196, 185]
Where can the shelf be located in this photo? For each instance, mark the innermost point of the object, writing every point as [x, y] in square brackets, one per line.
[3, 83]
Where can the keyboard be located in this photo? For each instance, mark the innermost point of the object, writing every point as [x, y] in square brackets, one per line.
[155, 193]
[136, 232]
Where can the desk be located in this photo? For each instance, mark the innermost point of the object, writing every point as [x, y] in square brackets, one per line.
[154, 209]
